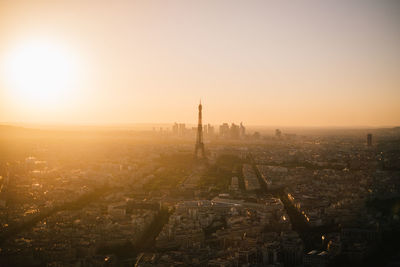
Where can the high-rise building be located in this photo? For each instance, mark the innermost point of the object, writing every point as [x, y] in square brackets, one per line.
[234, 131]
[369, 139]
[182, 129]
[179, 129]
[175, 129]
[224, 130]
[242, 130]
[210, 130]
[199, 147]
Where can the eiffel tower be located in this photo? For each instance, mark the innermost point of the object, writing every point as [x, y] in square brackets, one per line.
[199, 140]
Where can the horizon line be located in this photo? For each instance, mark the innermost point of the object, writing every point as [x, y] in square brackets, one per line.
[153, 124]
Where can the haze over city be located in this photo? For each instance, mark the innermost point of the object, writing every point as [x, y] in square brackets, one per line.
[199, 133]
[306, 63]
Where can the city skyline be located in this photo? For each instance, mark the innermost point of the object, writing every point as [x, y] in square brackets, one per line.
[311, 64]
[199, 133]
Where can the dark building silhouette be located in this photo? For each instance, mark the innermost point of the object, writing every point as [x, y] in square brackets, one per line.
[199, 140]
[369, 139]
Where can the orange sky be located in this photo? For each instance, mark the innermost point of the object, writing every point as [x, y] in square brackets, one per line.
[288, 63]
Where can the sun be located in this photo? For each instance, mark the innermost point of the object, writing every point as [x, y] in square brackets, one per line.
[41, 74]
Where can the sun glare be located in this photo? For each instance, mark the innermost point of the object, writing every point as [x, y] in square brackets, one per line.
[41, 74]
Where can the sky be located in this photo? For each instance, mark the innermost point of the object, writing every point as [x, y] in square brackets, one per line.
[283, 63]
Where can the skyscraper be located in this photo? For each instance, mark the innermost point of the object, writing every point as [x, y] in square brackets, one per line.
[242, 130]
[210, 130]
[199, 139]
[175, 129]
[224, 130]
[234, 131]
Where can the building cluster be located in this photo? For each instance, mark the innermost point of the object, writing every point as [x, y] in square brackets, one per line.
[232, 132]
[274, 177]
[180, 130]
[227, 232]
[81, 236]
[331, 184]
[73, 227]
[226, 131]
[304, 201]
[330, 197]
[250, 178]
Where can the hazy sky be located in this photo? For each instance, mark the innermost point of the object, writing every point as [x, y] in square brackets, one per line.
[300, 63]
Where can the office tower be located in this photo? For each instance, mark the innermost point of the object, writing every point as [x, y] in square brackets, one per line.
[210, 130]
[224, 130]
[234, 131]
[182, 129]
[242, 130]
[179, 129]
[205, 130]
[175, 129]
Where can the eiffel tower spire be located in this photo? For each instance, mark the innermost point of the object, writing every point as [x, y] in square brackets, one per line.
[199, 139]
